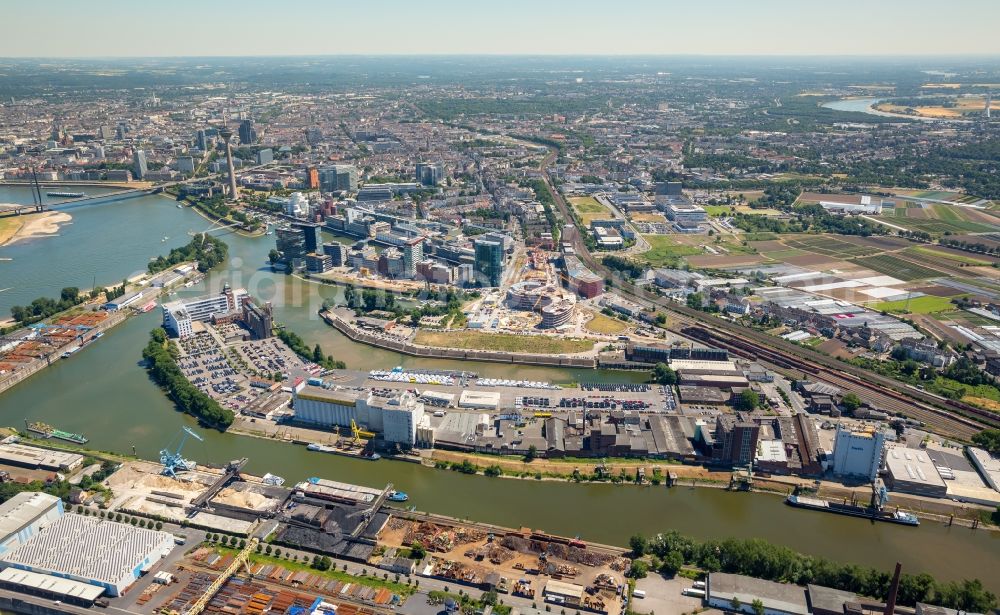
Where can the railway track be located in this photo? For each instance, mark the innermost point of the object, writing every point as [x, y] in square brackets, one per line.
[949, 417]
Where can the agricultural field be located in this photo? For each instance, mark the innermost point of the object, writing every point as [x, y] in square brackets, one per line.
[504, 342]
[927, 304]
[830, 245]
[951, 255]
[665, 250]
[897, 267]
[589, 209]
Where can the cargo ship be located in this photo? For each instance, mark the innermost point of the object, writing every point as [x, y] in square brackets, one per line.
[67, 195]
[48, 431]
[853, 510]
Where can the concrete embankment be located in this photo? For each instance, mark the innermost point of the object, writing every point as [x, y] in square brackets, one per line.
[413, 350]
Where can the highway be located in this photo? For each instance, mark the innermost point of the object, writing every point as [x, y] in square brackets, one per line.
[948, 417]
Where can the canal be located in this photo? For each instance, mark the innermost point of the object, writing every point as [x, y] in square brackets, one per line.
[103, 392]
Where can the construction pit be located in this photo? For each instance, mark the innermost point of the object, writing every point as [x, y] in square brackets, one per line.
[139, 487]
[520, 563]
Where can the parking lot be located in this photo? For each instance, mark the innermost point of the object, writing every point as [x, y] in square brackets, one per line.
[265, 358]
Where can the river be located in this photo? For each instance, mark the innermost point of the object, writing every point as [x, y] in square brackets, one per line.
[103, 393]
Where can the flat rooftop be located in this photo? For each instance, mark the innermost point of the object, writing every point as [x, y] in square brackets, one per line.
[782, 597]
[21, 509]
[34, 457]
[912, 466]
[90, 548]
[34, 581]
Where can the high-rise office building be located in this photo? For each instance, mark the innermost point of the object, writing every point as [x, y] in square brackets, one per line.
[248, 134]
[201, 140]
[428, 174]
[312, 178]
[139, 166]
[489, 262]
[413, 253]
[104, 132]
[185, 164]
[291, 242]
[265, 156]
[339, 177]
[311, 235]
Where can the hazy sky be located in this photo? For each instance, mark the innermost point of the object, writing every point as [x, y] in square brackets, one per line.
[72, 28]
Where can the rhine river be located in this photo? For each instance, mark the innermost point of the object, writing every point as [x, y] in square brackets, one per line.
[103, 392]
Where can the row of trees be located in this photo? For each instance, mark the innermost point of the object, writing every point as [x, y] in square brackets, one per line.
[43, 307]
[299, 347]
[162, 368]
[207, 250]
[761, 559]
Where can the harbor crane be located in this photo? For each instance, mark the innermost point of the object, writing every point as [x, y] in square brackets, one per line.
[174, 462]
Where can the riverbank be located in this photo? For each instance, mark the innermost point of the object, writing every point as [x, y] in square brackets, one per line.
[230, 225]
[691, 476]
[32, 225]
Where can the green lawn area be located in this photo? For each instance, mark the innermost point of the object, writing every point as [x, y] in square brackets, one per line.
[604, 324]
[504, 342]
[588, 208]
[719, 210]
[928, 304]
[665, 251]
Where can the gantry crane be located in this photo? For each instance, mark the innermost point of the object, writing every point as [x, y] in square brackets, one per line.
[173, 462]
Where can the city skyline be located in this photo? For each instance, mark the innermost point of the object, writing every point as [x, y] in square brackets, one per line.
[448, 27]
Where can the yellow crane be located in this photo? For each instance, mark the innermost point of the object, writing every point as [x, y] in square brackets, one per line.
[360, 434]
[241, 559]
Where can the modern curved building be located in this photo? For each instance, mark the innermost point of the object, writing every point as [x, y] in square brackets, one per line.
[555, 306]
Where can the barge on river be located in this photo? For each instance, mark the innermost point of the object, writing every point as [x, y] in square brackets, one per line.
[853, 510]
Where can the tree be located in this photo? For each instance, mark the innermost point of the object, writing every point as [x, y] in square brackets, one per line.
[531, 454]
[758, 606]
[989, 439]
[747, 400]
[638, 545]
[735, 605]
[851, 402]
[661, 318]
[672, 563]
[663, 374]
[417, 551]
[695, 301]
[317, 354]
[637, 570]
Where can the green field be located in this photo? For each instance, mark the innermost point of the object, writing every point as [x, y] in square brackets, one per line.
[947, 213]
[665, 251]
[504, 342]
[827, 245]
[938, 227]
[898, 268]
[719, 210]
[928, 304]
[588, 208]
[958, 258]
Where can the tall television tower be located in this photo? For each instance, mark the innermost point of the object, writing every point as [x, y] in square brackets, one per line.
[226, 135]
[989, 101]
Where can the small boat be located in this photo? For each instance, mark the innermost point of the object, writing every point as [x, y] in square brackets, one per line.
[179, 206]
[397, 496]
[371, 456]
[67, 195]
[69, 351]
[99, 334]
